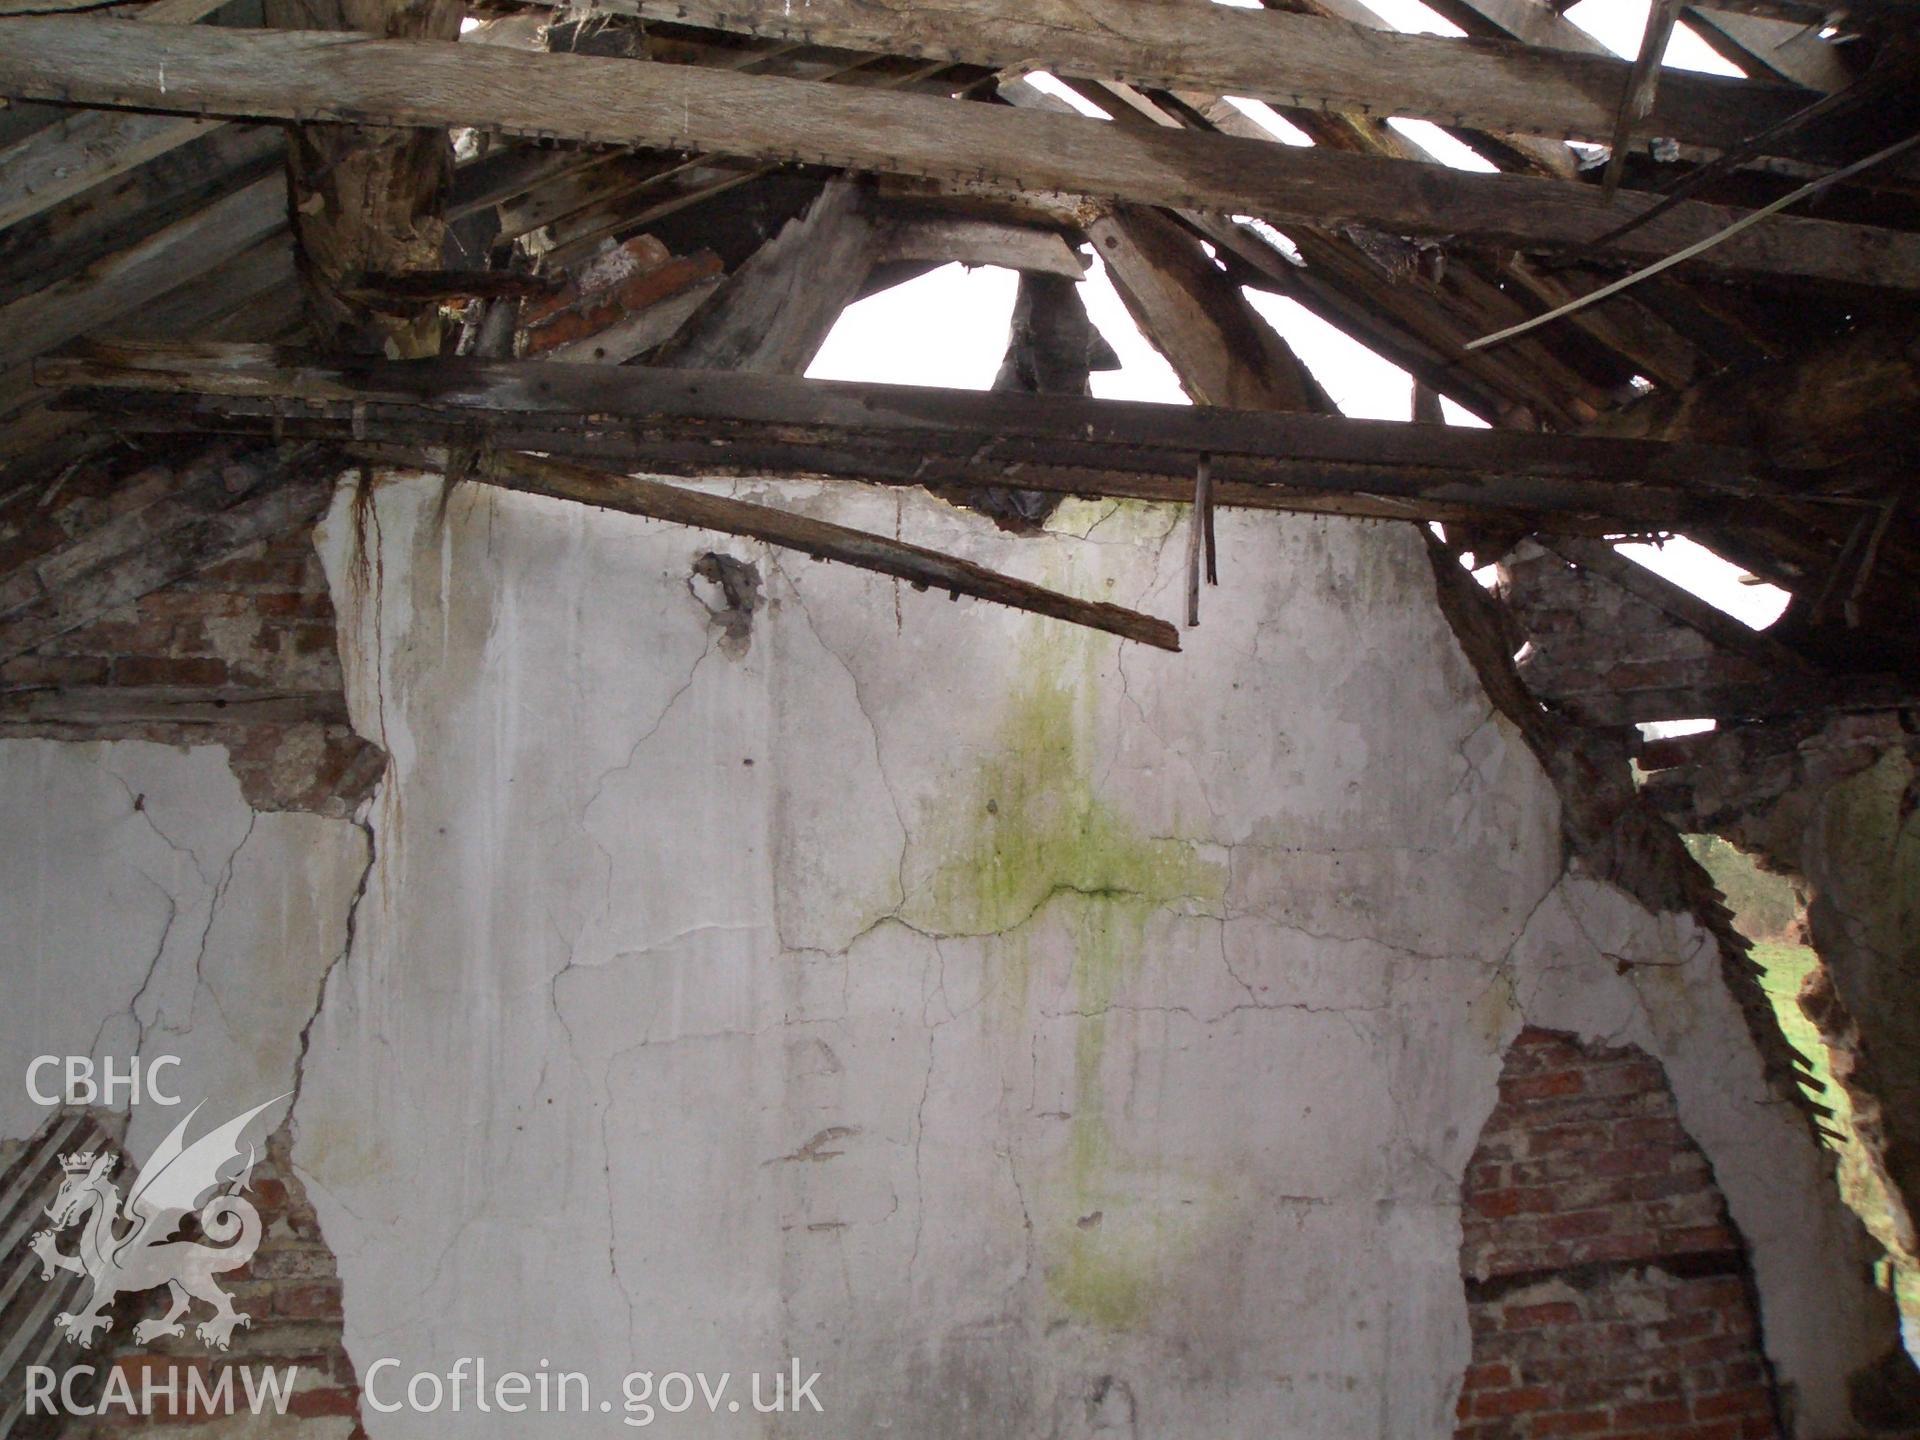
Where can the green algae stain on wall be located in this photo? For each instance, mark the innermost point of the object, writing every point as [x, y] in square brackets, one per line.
[1028, 825]
[1026, 828]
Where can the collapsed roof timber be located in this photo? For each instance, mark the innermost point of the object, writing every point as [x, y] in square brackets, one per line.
[721, 133]
[250, 246]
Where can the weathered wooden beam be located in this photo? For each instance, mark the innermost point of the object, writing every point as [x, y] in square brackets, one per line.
[918, 566]
[1796, 695]
[310, 76]
[1223, 351]
[84, 150]
[74, 234]
[101, 706]
[81, 151]
[369, 198]
[941, 239]
[531, 387]
[1289, 59]
[903, 433]
[677, 448]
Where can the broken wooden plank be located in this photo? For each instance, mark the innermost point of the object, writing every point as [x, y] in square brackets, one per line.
[311, 76]
[408, 289]
[1294, 60]
[822, 539]
[1642, 88]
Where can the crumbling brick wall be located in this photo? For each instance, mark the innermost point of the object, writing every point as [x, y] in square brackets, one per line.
[183, 601]
[291, 1291]
[1608, 1293]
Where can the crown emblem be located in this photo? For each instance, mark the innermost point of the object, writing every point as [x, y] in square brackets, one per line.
[78, 1163]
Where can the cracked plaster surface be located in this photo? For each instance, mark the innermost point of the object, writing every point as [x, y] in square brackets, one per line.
[1031, 1033]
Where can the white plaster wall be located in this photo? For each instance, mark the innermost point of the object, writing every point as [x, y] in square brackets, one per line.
[689, 1019]
[146, 910]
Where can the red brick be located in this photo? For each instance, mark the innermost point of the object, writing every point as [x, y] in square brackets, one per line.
[1572, 1422]
[1579, 1224]
[314, 1300]
[1540, 1087]
[1487, 1377]
[1750, 1401]
[331, 1400]
[1552, 1312]
[55, 670]
[1650, 1413]
[1517, 1401]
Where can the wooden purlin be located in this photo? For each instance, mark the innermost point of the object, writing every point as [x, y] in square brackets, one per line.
[307, 76]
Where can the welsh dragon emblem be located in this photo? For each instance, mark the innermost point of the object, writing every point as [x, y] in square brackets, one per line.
[130, 1246]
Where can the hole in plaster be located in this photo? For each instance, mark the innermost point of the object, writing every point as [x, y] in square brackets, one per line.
[730, 591]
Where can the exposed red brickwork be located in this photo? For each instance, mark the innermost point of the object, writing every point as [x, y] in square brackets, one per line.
[292, 1293]
[1608, 1293]
[239, 651]
[620, 282]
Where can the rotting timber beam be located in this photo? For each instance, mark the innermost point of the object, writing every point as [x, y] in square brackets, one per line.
[1850, 399]
[1289, 59]
[317, 77]
[369, 199]
[822, 539]
[693, 421]
[1223, 352]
